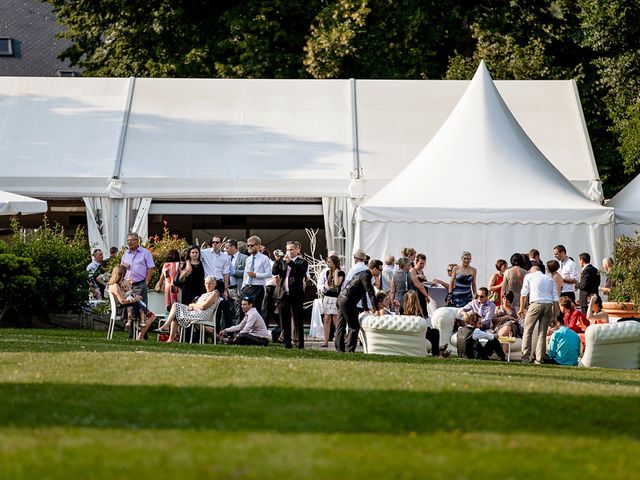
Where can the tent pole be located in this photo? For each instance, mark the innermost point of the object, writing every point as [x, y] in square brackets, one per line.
[123, 131]
[354, 130]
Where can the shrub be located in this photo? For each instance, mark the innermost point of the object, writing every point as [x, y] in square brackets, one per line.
[17, 280]
[61, 285]
[625, 276]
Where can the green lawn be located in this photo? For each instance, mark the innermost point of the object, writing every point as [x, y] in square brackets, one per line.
[73, 405]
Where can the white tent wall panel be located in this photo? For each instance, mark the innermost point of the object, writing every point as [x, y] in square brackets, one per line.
[444, 243]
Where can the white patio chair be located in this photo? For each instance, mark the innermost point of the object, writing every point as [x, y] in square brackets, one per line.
[209, 322]
[114, 316]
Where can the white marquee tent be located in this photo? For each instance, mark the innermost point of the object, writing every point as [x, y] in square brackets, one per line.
[627, 206]
[481, 185]
[130, 147]
[12, 204]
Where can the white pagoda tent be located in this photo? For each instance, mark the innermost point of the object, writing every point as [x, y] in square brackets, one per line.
[481, 185]
[627, 207]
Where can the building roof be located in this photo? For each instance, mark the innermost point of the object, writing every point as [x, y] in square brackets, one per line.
[32, 27]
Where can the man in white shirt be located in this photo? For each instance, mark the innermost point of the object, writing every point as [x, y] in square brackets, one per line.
[569, 272]
[387, 273]
[217, 264]
[543, 306]
[251, 330]
[257, 269]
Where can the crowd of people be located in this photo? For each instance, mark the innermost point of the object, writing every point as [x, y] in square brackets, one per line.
[524, 297]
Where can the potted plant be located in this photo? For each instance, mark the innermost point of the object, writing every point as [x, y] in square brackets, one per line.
[625, 278]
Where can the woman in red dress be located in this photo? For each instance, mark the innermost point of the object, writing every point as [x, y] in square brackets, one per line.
[168, 275]
[495, 282]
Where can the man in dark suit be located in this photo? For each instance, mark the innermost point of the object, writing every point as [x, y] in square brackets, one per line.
[589, 280]
[238, 260]
[291, 271]
[358, 288]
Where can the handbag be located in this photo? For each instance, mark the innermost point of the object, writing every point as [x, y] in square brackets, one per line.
[448, 300]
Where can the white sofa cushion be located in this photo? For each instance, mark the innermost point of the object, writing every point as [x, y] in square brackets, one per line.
[394, 323]
[394, 335]
[612, 345]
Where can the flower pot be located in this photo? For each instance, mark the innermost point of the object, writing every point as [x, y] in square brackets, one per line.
[618, 310]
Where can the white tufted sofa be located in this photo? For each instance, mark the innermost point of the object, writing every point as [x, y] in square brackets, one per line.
[612, 345]
[394, 335]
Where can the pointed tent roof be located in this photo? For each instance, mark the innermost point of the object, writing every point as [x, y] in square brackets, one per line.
[481, 167]
[627, 203]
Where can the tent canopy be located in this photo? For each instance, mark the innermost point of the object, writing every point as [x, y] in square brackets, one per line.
[12, 204]
[481, 167]
[229, 138]
[481, 185]
[627, 206]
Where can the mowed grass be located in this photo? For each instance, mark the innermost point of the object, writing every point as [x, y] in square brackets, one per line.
[73, 405]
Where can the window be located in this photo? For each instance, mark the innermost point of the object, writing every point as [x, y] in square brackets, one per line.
[6, 47]
[67, 73]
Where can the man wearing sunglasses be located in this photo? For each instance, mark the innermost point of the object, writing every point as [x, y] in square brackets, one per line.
[482, 306]
[257, 269]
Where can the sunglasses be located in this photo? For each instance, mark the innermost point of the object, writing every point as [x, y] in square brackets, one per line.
[216, 241]
[482, 296]
[251, 244]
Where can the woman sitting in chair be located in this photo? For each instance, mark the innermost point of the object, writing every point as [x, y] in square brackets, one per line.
[184, 315]
[128, 305]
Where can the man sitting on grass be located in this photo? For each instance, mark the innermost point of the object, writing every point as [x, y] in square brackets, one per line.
[251, 330]
[564, 346]
[492, 345]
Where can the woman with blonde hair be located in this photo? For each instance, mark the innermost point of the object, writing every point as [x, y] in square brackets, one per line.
[462, 286]
[412, 307]
[182, 315]
[128, 305]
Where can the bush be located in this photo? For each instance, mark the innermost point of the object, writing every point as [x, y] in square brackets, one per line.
[17, 280]
[61, 286]
[625, 276]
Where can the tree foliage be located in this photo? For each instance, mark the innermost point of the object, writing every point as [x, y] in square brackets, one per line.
[383, 39]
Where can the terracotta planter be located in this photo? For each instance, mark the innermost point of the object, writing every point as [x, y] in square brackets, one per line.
[618, 310]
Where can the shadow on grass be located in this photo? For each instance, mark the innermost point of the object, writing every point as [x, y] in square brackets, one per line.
[321, 410]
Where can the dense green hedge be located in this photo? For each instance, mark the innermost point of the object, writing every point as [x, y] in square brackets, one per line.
[58, 263]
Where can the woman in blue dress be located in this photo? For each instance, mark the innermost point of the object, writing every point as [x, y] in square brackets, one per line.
[463, 282]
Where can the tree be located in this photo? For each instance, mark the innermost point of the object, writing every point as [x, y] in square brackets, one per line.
[17, 280]
[383, 39]
[186, 38]
[612, 29]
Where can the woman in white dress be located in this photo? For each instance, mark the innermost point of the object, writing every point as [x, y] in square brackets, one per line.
[182, 315]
